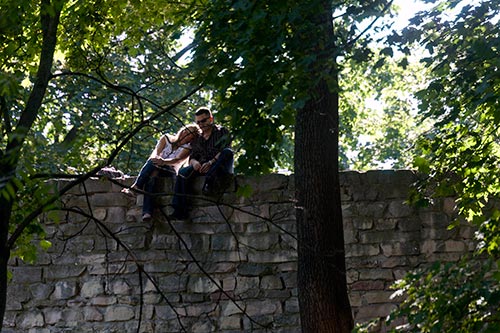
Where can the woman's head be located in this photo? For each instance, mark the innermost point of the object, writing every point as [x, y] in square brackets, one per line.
[188, 133]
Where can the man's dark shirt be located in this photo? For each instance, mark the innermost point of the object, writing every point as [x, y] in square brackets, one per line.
[205, 150]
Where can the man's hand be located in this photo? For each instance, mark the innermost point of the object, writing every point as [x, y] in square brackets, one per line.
[196, 165]
[205, 167]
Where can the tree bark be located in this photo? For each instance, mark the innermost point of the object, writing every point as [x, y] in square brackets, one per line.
[322, 286]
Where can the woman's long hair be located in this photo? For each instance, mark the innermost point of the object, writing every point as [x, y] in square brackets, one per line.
[190, 128]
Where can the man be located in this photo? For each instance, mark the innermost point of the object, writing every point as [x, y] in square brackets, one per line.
[211, 155]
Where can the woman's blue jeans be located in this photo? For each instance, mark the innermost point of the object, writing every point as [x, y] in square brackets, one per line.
[146, 181]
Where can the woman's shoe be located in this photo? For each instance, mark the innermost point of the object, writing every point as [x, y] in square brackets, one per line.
[146, 217]
[129, 191]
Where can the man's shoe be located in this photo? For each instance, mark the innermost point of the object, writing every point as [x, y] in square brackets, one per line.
[207, 189]
[225, 181]
[146, 217]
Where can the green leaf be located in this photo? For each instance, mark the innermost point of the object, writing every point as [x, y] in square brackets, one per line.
[244, 191]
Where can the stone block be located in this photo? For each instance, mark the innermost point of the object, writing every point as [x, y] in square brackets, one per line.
[399, 208]
[229, 308]
[62, 183]
[349, 210]
[288, 242]
[254, 269]
[230, 323]
[369, 193]
[272, 256]
[372, 209]
[41, 290]
[170, 283]
[376, 274]
[91, 288]
[376, 297]
[116, 215]
[271, 282]
[60, 272]
[349, 178]
[431, 246]
[101, 185]
[257, 227]
[368, 285]
[263, 307]
[75, 201]
[64, 290]
[106, 200]
[435, 220]
[270, 182]
[224, 242]
[52, 316]
[360, 250]
[393, 262]
[377, 237]
[202, 326]
[362, 223]
[119, 313]
[17, 293]
[246, 283]
[194, 228]
[103, 300]
[407, 248]
[355, 299]
[72, 316]
[26, 274]
[374, 311]
[289, 279]
[454, 246]
[202, 284]
[91, 313]
[292, 305]
[30, 319]
[260, 242]
[438, 234]
[409, 224]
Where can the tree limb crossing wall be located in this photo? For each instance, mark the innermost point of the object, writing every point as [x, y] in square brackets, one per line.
[230, 269]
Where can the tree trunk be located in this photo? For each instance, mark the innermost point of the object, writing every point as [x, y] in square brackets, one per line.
[5, 209]
[49, 19]
[322, 286]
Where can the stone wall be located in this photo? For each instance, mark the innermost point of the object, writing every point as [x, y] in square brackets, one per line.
[232, 268]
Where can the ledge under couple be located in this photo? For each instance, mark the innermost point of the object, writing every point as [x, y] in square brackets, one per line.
[208, 148]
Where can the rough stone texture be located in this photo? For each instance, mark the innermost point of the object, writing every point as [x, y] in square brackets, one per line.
[126, 276]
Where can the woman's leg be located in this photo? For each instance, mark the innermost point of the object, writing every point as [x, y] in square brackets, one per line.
[148, 205]
[144, 175]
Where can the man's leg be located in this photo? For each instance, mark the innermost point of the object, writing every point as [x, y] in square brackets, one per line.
[219, 176]
[182, 188]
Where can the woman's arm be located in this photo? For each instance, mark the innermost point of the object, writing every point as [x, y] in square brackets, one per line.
[169, 161]
[160, 145]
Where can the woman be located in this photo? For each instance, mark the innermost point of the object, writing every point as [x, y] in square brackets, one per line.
[167, 157]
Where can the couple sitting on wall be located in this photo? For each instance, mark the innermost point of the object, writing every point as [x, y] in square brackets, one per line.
[208, 147]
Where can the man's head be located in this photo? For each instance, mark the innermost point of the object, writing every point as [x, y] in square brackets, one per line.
[203, 118]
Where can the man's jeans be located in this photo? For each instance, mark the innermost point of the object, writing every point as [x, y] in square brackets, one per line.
[222, 167]
[146, 182]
